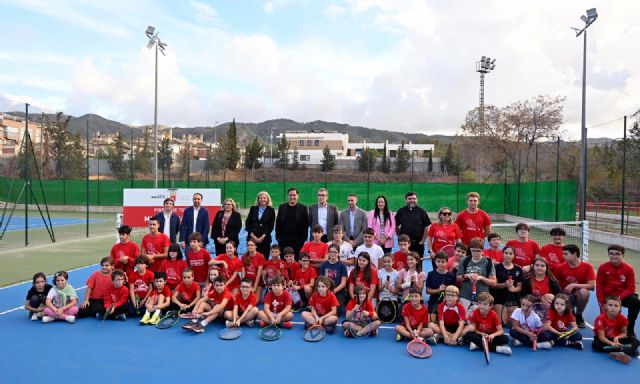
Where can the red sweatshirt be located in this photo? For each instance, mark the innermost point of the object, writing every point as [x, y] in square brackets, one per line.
[615, 281]
[115, 296]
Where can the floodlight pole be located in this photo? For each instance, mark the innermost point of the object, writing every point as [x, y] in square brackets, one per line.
[155, 128]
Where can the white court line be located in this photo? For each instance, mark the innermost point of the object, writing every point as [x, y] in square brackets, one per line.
[48, 276]
[22, 307]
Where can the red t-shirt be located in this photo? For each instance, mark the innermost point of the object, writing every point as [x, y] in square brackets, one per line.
[316, 251]
[615, 281]
[486, 324]
[115, 296]
[443, 234]
[141, 283]
[218, 297]
[186, 294]
[173, 269]
[199, 262]
[166, 291]
[451, 262]
[243, 303]
[561, 322]
[359, 279]
[99, 284]
[119, 250]
[399, 260]
[451, 315]
[233, 265]
[292, 270]
[155, 244]
[525, 251]
[304, 277]
[276, 267]
[611, 327]
[582, 274]
[277, 303]
[416, 316]
[495, 255]
[540, 288]
[255, 262]
[324, 304]
[367, 306]
[472, 224]
[553, 254]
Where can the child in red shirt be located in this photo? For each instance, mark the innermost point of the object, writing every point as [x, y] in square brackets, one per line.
[231, 267]
[317, 250]
[526, 250]
[416, 319]
[560, 320]
[97, 285]
[158, 299]
[364, 274]
[324, 306]
[452, 263]
[245, 308]
[304, 278]
[187, 293]
[140, 282]
[493, 252]
[252, 265]
[552, 252]
[198, 258]
[360, 302]
[155, 245]
[400, 257]
[274, 267]
[219, 299]
[610, 331]
[116, 298]
[277, 306]
[173, 266]
[484, 322]
[451, 317]
[124, 252]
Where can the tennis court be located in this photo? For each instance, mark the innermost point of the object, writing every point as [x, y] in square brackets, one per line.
[17, 223]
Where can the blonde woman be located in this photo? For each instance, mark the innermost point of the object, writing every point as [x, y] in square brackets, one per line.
[259, 223]
[226, 226]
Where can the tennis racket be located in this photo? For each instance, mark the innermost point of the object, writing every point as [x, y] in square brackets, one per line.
[169, 320]
[541, 311]
[269, 276]
[359, 325]
[230, 333]
[612, 348]
[270, 333]
[449, 249]
[418, 348]
[485, 348]
[386, 310]
[107, 313]
[138, 305]
[474, 297]
[188, 315]
[566, 334]
[296, 300]
[315, 333]
[535, 338]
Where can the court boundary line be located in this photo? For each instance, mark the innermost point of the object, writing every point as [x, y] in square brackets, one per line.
[22, 307]
[48, 276]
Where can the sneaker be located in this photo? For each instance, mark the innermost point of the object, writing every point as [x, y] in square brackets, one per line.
[47, 319]
[34, 317]
[330, 329]
[347, 333]
[504, 349]
[287, 325]
[517, 343]
[228, 323]
[575, 345]
[473, 346]
[155, 319]
[145, 319]
[621, 357]
[545, 345]
[432, 340]
[198, 328]
[262, 324]
[580, 320]
[438, 338]
[121, 317]
[306, 325]
[189, 325]
[460, 341]
[251, 323]
[70, 319]
[398, 336]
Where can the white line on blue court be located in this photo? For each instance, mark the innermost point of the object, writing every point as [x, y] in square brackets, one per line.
[22, 307]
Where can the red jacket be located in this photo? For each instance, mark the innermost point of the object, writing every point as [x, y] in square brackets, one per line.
[615, 281]
[115, 296]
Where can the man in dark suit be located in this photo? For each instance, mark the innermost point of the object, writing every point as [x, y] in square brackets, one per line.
[292, 223]
[323, 214]
[195, 219]
[411, 220]
[169, 220]
[354, 222]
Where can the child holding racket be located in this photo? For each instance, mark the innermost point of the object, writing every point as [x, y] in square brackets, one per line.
[437, 281]
[561, 320]
[277, 306]
[360, 302]
[526, 325]
[158, 299]
[476, 273]
[506, 291]
[323, 306]
[410, 277]
[451, 318]
[252, 265]
[485, 323]
[219, 300]
[97, 285]
[115, 300]
[36, 297]
[416, 320]
[198, 258]
[245, 308]
[187, 293]
[610, 331]
[140, 282]
[274, 267]
[173, 266]
[388, 282]
[289, 256]
[230, 266]
[62, 300]
[304, 278]
[364, 274]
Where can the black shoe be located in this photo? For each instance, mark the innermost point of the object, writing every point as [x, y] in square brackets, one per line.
[580, 321]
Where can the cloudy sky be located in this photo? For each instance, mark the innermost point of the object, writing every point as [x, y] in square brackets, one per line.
[402, 65]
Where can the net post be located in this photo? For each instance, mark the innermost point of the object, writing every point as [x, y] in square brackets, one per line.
[585, 240]
[119, 217]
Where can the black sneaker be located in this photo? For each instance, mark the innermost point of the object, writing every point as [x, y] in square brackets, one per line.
[580, 320]
[575, 345]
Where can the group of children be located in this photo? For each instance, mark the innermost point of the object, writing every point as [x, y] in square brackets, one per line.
[461, 307]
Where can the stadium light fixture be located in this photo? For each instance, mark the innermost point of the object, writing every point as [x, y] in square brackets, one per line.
[154, 40]
[484, 66]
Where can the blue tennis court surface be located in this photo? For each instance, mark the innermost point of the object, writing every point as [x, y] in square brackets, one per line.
[116, 352]
[17, 222]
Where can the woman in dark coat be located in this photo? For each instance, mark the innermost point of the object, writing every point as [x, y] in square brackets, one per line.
[260, 222]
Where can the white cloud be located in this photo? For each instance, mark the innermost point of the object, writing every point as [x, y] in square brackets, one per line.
[268, 7]
[333, 11]
[204, 12]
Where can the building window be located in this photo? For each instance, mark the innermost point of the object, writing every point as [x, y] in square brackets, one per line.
[302, 143]
[393, 153]
[309, 143]
[305, 157]
[317, 143]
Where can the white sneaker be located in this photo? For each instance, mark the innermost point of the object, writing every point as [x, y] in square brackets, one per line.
[544, 345]
[473, 347]
[516, 343]
[251, 323]
[228, 323]
[70, 319]
[47, 319]
[34, 317]
[504, 349]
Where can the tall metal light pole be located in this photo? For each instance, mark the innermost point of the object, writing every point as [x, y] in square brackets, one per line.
[271, 145]
[591, 16]
[484, 66]
[154, 40]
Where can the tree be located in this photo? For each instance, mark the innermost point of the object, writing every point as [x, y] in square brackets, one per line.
[116, 157]
[165, 155]
[367, 160]
[430, 163]
[282, 152]
[403, 159]
[295, 159]
[385, 166]
[229, 147]
[143, 155]
[328, 160]
[253, 153]
[448, 161]
[65, 148]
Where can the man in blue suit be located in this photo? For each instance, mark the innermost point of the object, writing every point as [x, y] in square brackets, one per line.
[195, 219]
[169, 221]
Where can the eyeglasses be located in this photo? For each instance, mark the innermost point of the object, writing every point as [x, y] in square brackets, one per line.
[445, 213]
[450, 295]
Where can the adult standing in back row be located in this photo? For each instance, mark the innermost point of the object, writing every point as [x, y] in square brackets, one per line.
[195, 219]
[292, 223]
[411, 220]
[324, 215]
[354, 222]
[473, 221]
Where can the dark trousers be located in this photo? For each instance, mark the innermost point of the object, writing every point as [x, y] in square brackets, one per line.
[633, 304]
[476, 338]
[265, 248]
[524, 339]
[417, 247]
[599, 346]
[121, 310]
[94, 307]
[553, 337]
[293, 243]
